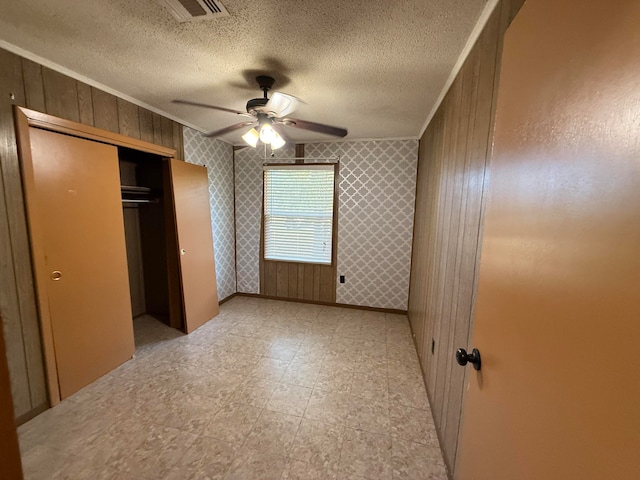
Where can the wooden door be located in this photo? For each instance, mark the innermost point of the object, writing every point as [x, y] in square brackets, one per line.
[75, 216]
[558, 311]
[190, 188]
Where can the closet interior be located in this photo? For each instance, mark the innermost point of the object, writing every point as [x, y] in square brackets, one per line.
[149, 227]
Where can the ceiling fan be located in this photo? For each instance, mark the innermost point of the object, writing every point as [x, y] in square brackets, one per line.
[268, 115]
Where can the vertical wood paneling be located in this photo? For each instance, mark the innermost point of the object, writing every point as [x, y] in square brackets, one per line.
[308, 282]
[11, 83]
[157, 128]
[146, 125]
[105, 110]
[85, 103]
[316, 282]
[282, 279]
[327, 283]
[178, 141]
[166, 127]
[33, 85]
[270, 271]
[303, 281]
[293, 281]
[451, 178]
[60, 95]
[10, 467]
[128, 119]
[300, 287]
[45, 90]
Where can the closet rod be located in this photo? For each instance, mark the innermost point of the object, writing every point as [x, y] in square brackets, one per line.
[138, 200]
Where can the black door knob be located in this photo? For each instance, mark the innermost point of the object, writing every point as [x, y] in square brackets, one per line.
[462, 357]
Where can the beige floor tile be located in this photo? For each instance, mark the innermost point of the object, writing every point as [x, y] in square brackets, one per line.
[254, 391]
[206, 406]
[158, 453]
[409, 393]
[302, 373]
[232, 423]
[256, 466]
[374, 382]
[297, 470]
[327, 407]
[369, 414]
[206, 458]
[65, 427]
[187, 412]
[44, 461]
[273, 433]
[269, 368]
[335, 377]
[413, 424]
[416, 461]
[282, 349]
[366, 454]
[289, 399]
[319, 444]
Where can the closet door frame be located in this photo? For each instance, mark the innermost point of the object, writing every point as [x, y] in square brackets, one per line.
[25, 119]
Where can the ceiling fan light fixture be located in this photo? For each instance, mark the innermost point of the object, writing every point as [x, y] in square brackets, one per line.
[251, 137]
[277, 142]
[267, 133]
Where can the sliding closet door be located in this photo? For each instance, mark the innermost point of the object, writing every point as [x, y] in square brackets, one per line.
[73, 196]
[195, 243]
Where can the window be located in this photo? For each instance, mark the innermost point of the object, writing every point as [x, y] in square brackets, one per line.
[298, 213]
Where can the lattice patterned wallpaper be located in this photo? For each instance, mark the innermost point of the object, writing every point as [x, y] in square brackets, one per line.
[375, 218]
[248, 165]
[217, 156]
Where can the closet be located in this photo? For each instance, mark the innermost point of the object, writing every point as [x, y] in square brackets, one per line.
[148, 228]
[117, 228]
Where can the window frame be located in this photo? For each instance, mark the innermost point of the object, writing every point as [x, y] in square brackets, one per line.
[334, 224]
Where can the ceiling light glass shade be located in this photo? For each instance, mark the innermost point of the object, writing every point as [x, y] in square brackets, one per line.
[267, 133]
[251, 137]
[277, 141]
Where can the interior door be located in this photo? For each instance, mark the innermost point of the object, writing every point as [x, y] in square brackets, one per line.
[558, 310]
[76, 198]
[190, 189]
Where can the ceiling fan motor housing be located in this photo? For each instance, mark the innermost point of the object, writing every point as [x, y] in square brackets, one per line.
[256, 104]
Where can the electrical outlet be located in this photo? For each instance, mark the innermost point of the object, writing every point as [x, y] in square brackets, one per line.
[341, 278]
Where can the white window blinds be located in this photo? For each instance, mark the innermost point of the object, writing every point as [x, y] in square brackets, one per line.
[298, 213]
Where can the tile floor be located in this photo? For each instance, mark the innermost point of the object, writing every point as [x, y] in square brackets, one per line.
[266, 390]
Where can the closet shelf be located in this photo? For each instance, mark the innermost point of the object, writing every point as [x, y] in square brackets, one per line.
[134, 189]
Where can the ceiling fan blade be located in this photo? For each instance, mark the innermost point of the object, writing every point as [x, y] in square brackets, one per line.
[205, 105]
[278, 127]
[281, 104]
[315, 127]
[217, 133]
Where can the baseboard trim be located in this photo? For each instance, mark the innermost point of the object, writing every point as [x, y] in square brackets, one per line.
[328, 304]
[226, 299]
[25, 417]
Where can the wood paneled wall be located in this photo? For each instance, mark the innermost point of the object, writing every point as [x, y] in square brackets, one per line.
[452, 175]
[10, 466]
[302, 281]
[25, 83]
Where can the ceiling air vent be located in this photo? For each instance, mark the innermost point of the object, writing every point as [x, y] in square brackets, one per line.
[190, 10]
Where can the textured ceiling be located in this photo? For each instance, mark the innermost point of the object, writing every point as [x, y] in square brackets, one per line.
[373, 67]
